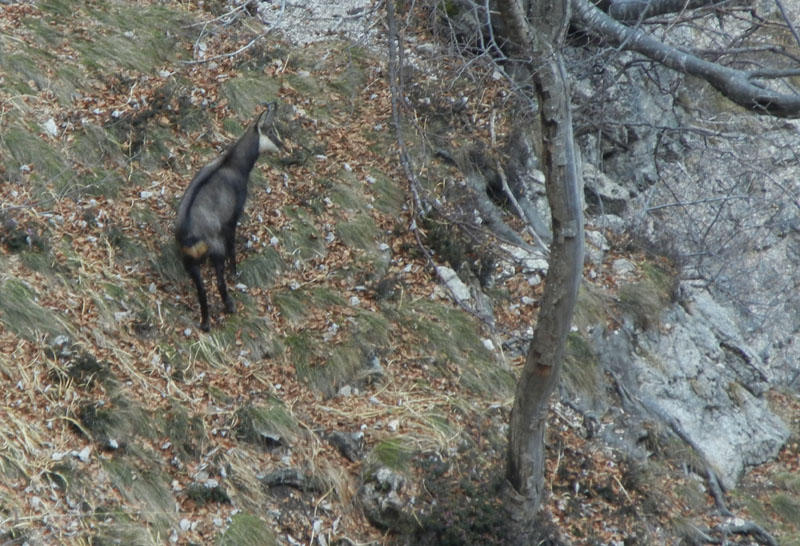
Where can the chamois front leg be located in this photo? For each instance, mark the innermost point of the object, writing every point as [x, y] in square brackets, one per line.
[230, 249]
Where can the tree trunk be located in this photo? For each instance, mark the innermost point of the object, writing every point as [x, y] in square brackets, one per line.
[540, 33]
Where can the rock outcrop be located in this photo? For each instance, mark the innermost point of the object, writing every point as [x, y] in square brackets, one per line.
[694, 373]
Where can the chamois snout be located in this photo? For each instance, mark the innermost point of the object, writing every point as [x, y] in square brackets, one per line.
[210, 209]
[269, 140]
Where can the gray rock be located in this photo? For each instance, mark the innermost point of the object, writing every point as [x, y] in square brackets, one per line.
[697, 373]
[380, 498]
[373, 372]
[596, 246]
[623, 267]
[350, 445]
[603, 195]
[454, 283]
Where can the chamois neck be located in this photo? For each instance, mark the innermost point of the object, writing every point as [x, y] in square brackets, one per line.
[244, 153]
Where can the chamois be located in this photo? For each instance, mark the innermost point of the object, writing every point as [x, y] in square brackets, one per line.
[205, 226]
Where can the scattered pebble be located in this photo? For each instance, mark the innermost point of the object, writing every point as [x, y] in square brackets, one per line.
[83, 454]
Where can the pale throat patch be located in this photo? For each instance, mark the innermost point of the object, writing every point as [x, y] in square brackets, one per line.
[265, 144]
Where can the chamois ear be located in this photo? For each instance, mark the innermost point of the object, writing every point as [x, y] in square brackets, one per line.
[267, 117]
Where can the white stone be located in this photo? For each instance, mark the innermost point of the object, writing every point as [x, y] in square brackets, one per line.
[50, 127]
[345, 391]
[621, 266]
[454, 283]
[84, 453]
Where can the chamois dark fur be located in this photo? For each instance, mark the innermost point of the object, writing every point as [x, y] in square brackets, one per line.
[205, 226]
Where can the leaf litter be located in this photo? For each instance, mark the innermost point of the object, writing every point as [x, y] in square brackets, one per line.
[100, 276]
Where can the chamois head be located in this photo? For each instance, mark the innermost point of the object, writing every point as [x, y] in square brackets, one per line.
[269, 140]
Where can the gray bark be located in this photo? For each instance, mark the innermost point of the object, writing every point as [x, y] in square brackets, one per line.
[540, 34]
[630, 11]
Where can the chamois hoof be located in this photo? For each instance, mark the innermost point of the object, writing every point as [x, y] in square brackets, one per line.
[230, 308]
[206, 327]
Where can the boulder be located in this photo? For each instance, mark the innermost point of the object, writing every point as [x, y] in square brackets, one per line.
[380, 497]
[603, 195]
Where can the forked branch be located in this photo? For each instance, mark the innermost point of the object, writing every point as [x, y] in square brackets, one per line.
[740, 86]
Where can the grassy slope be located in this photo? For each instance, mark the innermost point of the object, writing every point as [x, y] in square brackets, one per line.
[120, 420]
[117, 412]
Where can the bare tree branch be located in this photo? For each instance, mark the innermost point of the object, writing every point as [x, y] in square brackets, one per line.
[788, 21]
[737, 85]
[630, 11]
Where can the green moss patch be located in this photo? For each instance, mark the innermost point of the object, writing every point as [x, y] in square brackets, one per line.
[788, 509]
[327, 368]
[138, 37]
[267, 425]
[119, 421]
[166, 263]
[254, 332]
[145, 489]
[24, 151]
[186, 432]
[581, 371]
[591, 307]
[351, 77]
[360, 232]
[645, 299]
[48, 35]
[304, 84]
[247, 93]
[301, 238]
[390, 196]
[293, 304]
[346, 193]
[23, 70]
[451, 336]
[393, 453]
[202, 495]
[373, 328]
[92, 144]
[247, 530]
[21, 313]
[117, 526]
[260, 270]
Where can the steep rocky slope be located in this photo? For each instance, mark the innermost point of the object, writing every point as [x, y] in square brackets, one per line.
[348, 369]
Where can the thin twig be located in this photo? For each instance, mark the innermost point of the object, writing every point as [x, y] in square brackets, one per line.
[520, 211]
[227, 55]
[241, 49]
[395, 59]
[788, 20]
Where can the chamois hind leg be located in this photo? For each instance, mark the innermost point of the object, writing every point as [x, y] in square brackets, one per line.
[222, 286]
[193, 268]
